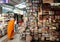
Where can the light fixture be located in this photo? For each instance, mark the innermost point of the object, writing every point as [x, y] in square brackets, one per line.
[22, 5]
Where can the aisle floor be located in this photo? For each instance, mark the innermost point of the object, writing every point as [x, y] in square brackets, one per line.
[16, 39]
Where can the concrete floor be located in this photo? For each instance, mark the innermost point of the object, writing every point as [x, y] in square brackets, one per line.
[16, 39]
[4, 38]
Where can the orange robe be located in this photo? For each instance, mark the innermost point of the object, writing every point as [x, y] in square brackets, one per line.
[10, 29]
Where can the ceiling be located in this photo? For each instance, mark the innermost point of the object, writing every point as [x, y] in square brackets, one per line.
[14, 2]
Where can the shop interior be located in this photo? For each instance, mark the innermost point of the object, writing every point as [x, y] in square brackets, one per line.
[37, 20]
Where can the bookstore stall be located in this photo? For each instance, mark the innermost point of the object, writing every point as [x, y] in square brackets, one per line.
[35, 22]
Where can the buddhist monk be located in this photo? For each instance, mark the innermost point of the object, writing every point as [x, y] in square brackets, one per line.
[10, 28]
